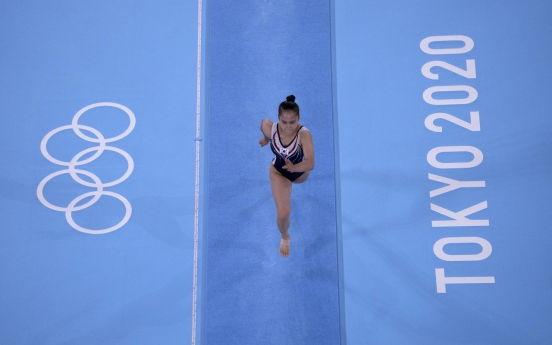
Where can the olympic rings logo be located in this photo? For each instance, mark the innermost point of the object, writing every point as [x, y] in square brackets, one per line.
[74, 172]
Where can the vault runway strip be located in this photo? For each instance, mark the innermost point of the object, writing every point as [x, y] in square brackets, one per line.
[258, 53]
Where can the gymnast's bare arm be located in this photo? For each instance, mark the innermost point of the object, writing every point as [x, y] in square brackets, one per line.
[266, 128]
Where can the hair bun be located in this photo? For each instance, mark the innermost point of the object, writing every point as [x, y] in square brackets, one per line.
[290, 98]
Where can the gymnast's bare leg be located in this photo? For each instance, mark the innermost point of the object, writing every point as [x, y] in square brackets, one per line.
[281, 191]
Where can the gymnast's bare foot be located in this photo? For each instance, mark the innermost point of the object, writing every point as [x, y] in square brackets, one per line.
[284, 245]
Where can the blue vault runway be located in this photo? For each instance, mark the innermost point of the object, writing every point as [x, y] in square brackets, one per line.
[258, 53]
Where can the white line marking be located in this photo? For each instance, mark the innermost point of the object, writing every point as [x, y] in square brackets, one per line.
[197, 142]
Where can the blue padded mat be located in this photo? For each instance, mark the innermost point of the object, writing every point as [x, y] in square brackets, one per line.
[258, 53]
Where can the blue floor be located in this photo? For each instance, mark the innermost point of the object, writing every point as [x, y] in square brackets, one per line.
[127, 287]
[258, 53]
[133, 286]
[388, 239]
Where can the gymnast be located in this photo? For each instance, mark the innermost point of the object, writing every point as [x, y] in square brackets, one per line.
[292, 163]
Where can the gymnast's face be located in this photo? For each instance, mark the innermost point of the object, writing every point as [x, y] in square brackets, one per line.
[288, 120]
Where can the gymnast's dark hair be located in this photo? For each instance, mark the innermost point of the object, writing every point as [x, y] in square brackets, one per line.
[289, 104]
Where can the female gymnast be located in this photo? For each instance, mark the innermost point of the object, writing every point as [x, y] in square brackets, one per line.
[292, 163]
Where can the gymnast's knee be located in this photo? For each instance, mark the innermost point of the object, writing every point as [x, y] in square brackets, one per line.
[283, 216]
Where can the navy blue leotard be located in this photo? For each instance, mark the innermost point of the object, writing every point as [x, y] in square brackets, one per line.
[291, 151]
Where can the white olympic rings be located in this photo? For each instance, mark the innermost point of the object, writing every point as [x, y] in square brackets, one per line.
[74, 172]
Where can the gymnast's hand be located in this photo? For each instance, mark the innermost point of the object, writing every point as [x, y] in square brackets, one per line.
[289, 166]
[264, 141]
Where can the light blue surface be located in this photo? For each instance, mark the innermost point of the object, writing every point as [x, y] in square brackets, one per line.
[258, 53]
[133, 285]
[391, 295]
